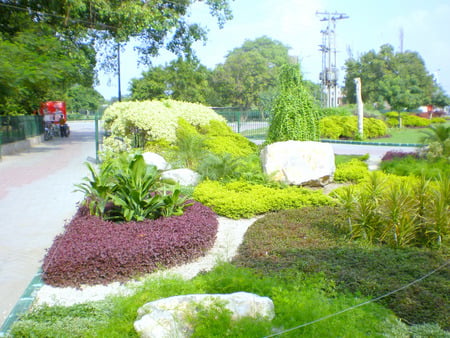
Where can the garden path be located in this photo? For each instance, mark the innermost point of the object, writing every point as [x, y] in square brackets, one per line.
[36, 198]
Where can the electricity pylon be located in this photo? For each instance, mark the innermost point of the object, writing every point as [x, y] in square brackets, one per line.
[329, 74]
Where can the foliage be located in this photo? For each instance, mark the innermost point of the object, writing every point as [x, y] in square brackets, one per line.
[400, 79]
[163, 24]
[154, 120]
[36, 66]
[221, 140]
[94, 251]
[400, 212]
[352, 171]
[336, 127]
[295, 299]
[126, 189]
[248, 71]
[83, 99]
[310, 241]
[411, 165]
[182, 80]
[293, 116]
[242, 199]
[438, 140]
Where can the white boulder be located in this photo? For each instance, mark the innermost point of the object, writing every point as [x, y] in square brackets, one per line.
[166, 317]
[156, 160]
[183, 176]
[299, 162]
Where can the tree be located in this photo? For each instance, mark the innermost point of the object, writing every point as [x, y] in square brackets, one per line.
[36, 66]
[294, 116]
[398, 79]
[82, 31]
[155, 23]
[83, 99]
[182, 80]
[248, 71]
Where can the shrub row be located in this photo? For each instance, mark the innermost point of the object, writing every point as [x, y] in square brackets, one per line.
[240, 199]
[345, 127]
[94, 251]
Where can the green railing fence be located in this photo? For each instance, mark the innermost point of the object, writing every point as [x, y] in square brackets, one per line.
[252, 124]
[17, 128]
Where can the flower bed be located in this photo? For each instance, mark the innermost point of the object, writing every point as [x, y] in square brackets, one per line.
[93, 251]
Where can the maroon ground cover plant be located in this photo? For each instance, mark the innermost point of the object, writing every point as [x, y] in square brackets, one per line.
[94, 251]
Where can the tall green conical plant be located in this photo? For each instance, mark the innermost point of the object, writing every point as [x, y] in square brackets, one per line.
[294, 116]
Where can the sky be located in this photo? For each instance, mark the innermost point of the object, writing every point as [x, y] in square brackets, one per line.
[424, 25]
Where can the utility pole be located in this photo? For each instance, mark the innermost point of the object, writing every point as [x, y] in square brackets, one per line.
[329, 74]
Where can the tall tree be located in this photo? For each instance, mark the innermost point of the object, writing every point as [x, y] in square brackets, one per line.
[248, 71]
[87, 29]
[184, 80]
[398, 79]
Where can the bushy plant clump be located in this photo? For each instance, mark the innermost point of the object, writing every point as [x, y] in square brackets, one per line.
[127, 189]
[294, 116]
[152, 120]
[398, 211]
[414, 165]
[241, 199]
[352, 171]
[310, 240]
[407, 120]
[94, 251]
[346, 127]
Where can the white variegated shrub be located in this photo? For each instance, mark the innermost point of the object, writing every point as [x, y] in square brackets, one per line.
[155, 120]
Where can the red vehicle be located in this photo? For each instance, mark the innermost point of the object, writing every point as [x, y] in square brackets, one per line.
[52, 111]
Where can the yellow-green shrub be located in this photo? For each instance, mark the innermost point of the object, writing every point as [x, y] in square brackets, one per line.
[335, 127]
[351, 171]
[240, 199]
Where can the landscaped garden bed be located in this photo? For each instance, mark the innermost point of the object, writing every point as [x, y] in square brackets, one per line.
[369, 259]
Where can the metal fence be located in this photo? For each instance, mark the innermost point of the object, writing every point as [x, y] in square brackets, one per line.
[17, 128]
[252, 124]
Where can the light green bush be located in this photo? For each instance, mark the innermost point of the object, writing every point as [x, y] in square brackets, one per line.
[415, 121]
[336, 127]
[351, 171]
[154, 120]
[240, 199]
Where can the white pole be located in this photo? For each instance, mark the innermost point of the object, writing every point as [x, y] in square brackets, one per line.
[360, 107]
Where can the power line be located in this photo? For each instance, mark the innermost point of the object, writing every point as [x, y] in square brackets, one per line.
[329, 74]
[362, 304]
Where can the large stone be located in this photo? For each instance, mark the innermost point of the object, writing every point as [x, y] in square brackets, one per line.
[166, 317]
[156, 160]
[299, 162]
[183, 176]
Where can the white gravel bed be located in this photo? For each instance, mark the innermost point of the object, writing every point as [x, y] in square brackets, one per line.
[229, 236]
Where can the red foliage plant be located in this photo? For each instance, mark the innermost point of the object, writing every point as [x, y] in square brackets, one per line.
[390, 155]
[93, 251]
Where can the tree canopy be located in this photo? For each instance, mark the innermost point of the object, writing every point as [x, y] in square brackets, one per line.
[249, 71]
[182, 80]
[398, 79]
[76, 33]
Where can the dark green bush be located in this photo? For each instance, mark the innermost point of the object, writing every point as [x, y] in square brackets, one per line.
[310, 240]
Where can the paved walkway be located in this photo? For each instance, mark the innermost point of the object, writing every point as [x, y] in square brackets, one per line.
[36, 198]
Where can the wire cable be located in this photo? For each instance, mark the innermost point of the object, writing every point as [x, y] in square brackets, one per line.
[361, 304]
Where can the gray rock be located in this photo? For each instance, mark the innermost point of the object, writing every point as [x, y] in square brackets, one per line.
[183, 176]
